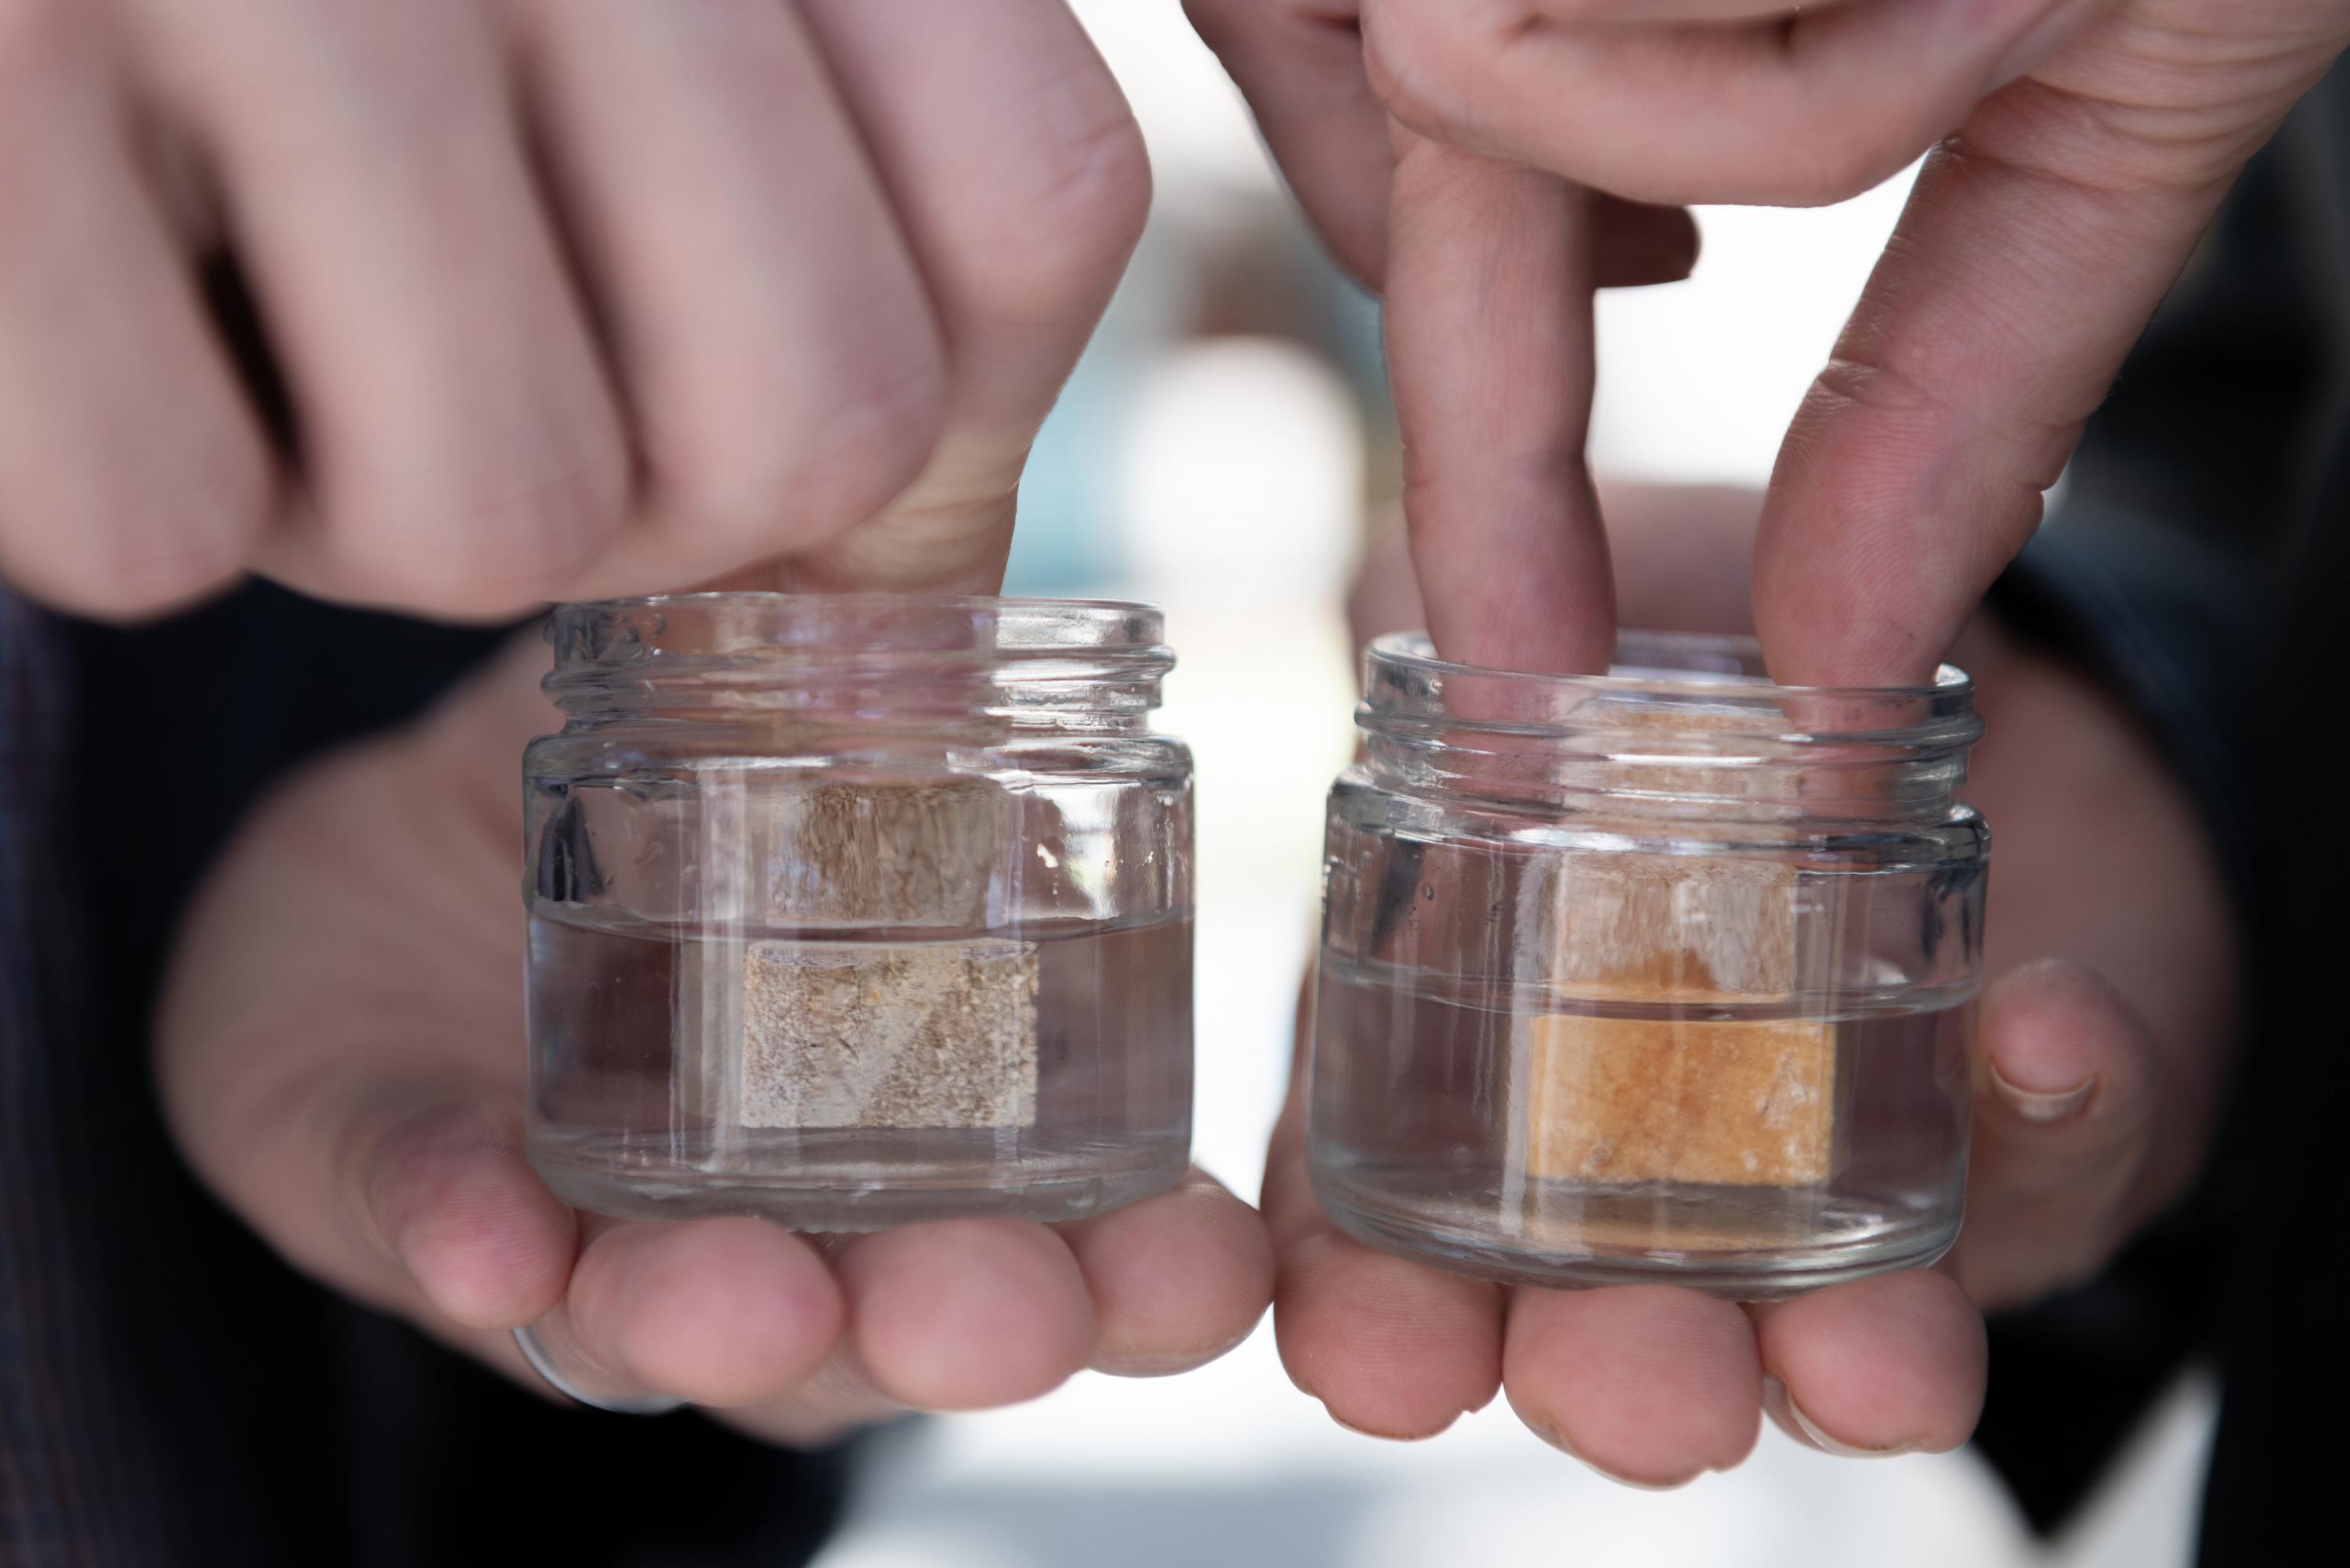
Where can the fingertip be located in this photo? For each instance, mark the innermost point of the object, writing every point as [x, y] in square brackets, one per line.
[720, 1312]
[1177, 1279]
[2060, 1043]
[481, 1237]
[964, 1314]
[1392, 1348]
[1883, 1366]
[1649, 1385]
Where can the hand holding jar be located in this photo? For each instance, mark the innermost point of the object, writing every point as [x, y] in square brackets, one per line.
[2099, 1048]
[342, 1059]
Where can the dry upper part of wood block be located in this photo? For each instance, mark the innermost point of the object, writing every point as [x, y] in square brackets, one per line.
[1689, 1099]
[878, 854]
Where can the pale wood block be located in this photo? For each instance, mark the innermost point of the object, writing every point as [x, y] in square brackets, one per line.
[882, 1034]
[867, 853]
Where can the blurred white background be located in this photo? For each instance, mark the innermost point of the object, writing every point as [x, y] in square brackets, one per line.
[1218, 452]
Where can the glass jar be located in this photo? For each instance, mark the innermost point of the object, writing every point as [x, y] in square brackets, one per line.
[1667, 975]
[854, 911]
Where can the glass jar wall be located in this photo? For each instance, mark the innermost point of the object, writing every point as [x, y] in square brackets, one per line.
[853, 911]
[1667, 975]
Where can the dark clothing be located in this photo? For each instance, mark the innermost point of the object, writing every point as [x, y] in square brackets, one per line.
[170, 1392]
[2201, 566]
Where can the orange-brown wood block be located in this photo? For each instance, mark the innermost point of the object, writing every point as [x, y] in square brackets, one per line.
[1686, 1100]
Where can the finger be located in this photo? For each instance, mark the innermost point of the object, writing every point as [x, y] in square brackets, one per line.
[2060, 1137]
[456, 1205]
[1022, 181]
[781, 363]
[1300, 65]
[1391, 1347]
[719, 1313]
[131, 473]
[1650, 1384]
[1799, 110]
[1889, 1365]
[1490, 349]
[2025, 266]
[1673, 10]
[462, 452]
[962, 1314]
[1176, 1279]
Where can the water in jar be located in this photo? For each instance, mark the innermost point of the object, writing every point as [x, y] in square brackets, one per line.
[1476, 1100]
[1050, 1080]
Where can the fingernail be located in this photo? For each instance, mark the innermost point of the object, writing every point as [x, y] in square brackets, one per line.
[1777, 1399]
[2033, 1105]
[1387, 1436]
[1557, 1439]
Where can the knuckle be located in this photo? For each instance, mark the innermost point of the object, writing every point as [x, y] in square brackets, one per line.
[1419, 63]
[127, 556]
[486, 547]
[794, 443]
[874, 440]
[1067, 215]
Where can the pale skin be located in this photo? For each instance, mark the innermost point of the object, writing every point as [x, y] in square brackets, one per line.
[674, 292]
[1448, 150]
[1470, 158]
[571, 297]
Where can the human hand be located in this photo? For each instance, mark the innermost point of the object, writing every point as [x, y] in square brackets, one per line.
[2101, 1045]
[568, 297]
[2080, 147]
[342, 1061]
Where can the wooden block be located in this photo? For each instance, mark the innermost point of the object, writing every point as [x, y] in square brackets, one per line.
[884, 1034]
[1681, 1100]
[876, 854]
[1614, 1099]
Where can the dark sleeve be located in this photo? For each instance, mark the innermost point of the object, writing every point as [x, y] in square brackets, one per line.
[292, 1426]
[2176, 572]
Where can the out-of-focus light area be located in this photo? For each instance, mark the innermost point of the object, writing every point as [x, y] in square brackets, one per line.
[1223, 450]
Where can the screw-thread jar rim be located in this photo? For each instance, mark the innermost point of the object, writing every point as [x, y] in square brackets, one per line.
[873, 657]
[1681, 723]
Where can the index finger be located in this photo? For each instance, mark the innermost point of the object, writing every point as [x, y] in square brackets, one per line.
[1490, 280]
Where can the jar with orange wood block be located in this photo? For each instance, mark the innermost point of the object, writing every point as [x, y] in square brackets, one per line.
[1664, 975]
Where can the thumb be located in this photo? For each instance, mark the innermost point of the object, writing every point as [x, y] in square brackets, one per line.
[2062, 1131]
[2034, 248]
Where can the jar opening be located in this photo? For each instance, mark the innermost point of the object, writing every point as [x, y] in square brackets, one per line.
[1722, 677]
[859, 653]
[1680, 722]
